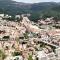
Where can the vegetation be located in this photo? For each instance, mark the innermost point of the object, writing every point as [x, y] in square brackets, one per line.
[26, 35]
[30, 57]
[16, 53]
[37, 10]
[2, 55]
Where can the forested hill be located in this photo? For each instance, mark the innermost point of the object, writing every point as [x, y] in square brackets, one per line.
[37, 10]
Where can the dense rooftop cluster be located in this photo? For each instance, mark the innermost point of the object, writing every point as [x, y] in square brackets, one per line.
[26, 40]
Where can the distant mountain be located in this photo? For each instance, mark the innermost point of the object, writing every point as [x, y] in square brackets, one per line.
[36, 9]
[13, 7]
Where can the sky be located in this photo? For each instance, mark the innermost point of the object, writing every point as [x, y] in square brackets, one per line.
[36, 1]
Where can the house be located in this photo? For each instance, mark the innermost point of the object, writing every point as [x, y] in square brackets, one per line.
[17, 17]
[41, 55]
[2, 15]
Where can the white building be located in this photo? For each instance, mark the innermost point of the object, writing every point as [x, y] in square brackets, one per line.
[51, 56]
[17, 16]
[41, 55]
[1, 15]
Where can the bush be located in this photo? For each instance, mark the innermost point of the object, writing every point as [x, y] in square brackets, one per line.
[2, 55]
[30, 57]
[17, 53]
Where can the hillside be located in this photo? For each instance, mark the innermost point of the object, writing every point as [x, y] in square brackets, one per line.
[37, 10]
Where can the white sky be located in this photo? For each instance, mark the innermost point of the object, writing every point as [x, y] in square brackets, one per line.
[36, 1]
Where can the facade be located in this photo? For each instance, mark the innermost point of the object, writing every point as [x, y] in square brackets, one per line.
[41, 55]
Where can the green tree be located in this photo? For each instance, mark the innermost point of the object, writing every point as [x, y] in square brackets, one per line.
[26, 35]
[30, 57]
[2, 55]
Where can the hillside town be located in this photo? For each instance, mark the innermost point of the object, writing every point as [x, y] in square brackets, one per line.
[28, 40]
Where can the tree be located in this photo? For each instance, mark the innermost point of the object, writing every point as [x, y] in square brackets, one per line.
[26, 36]
[16, 53]
[30, 57]
[2, 55]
